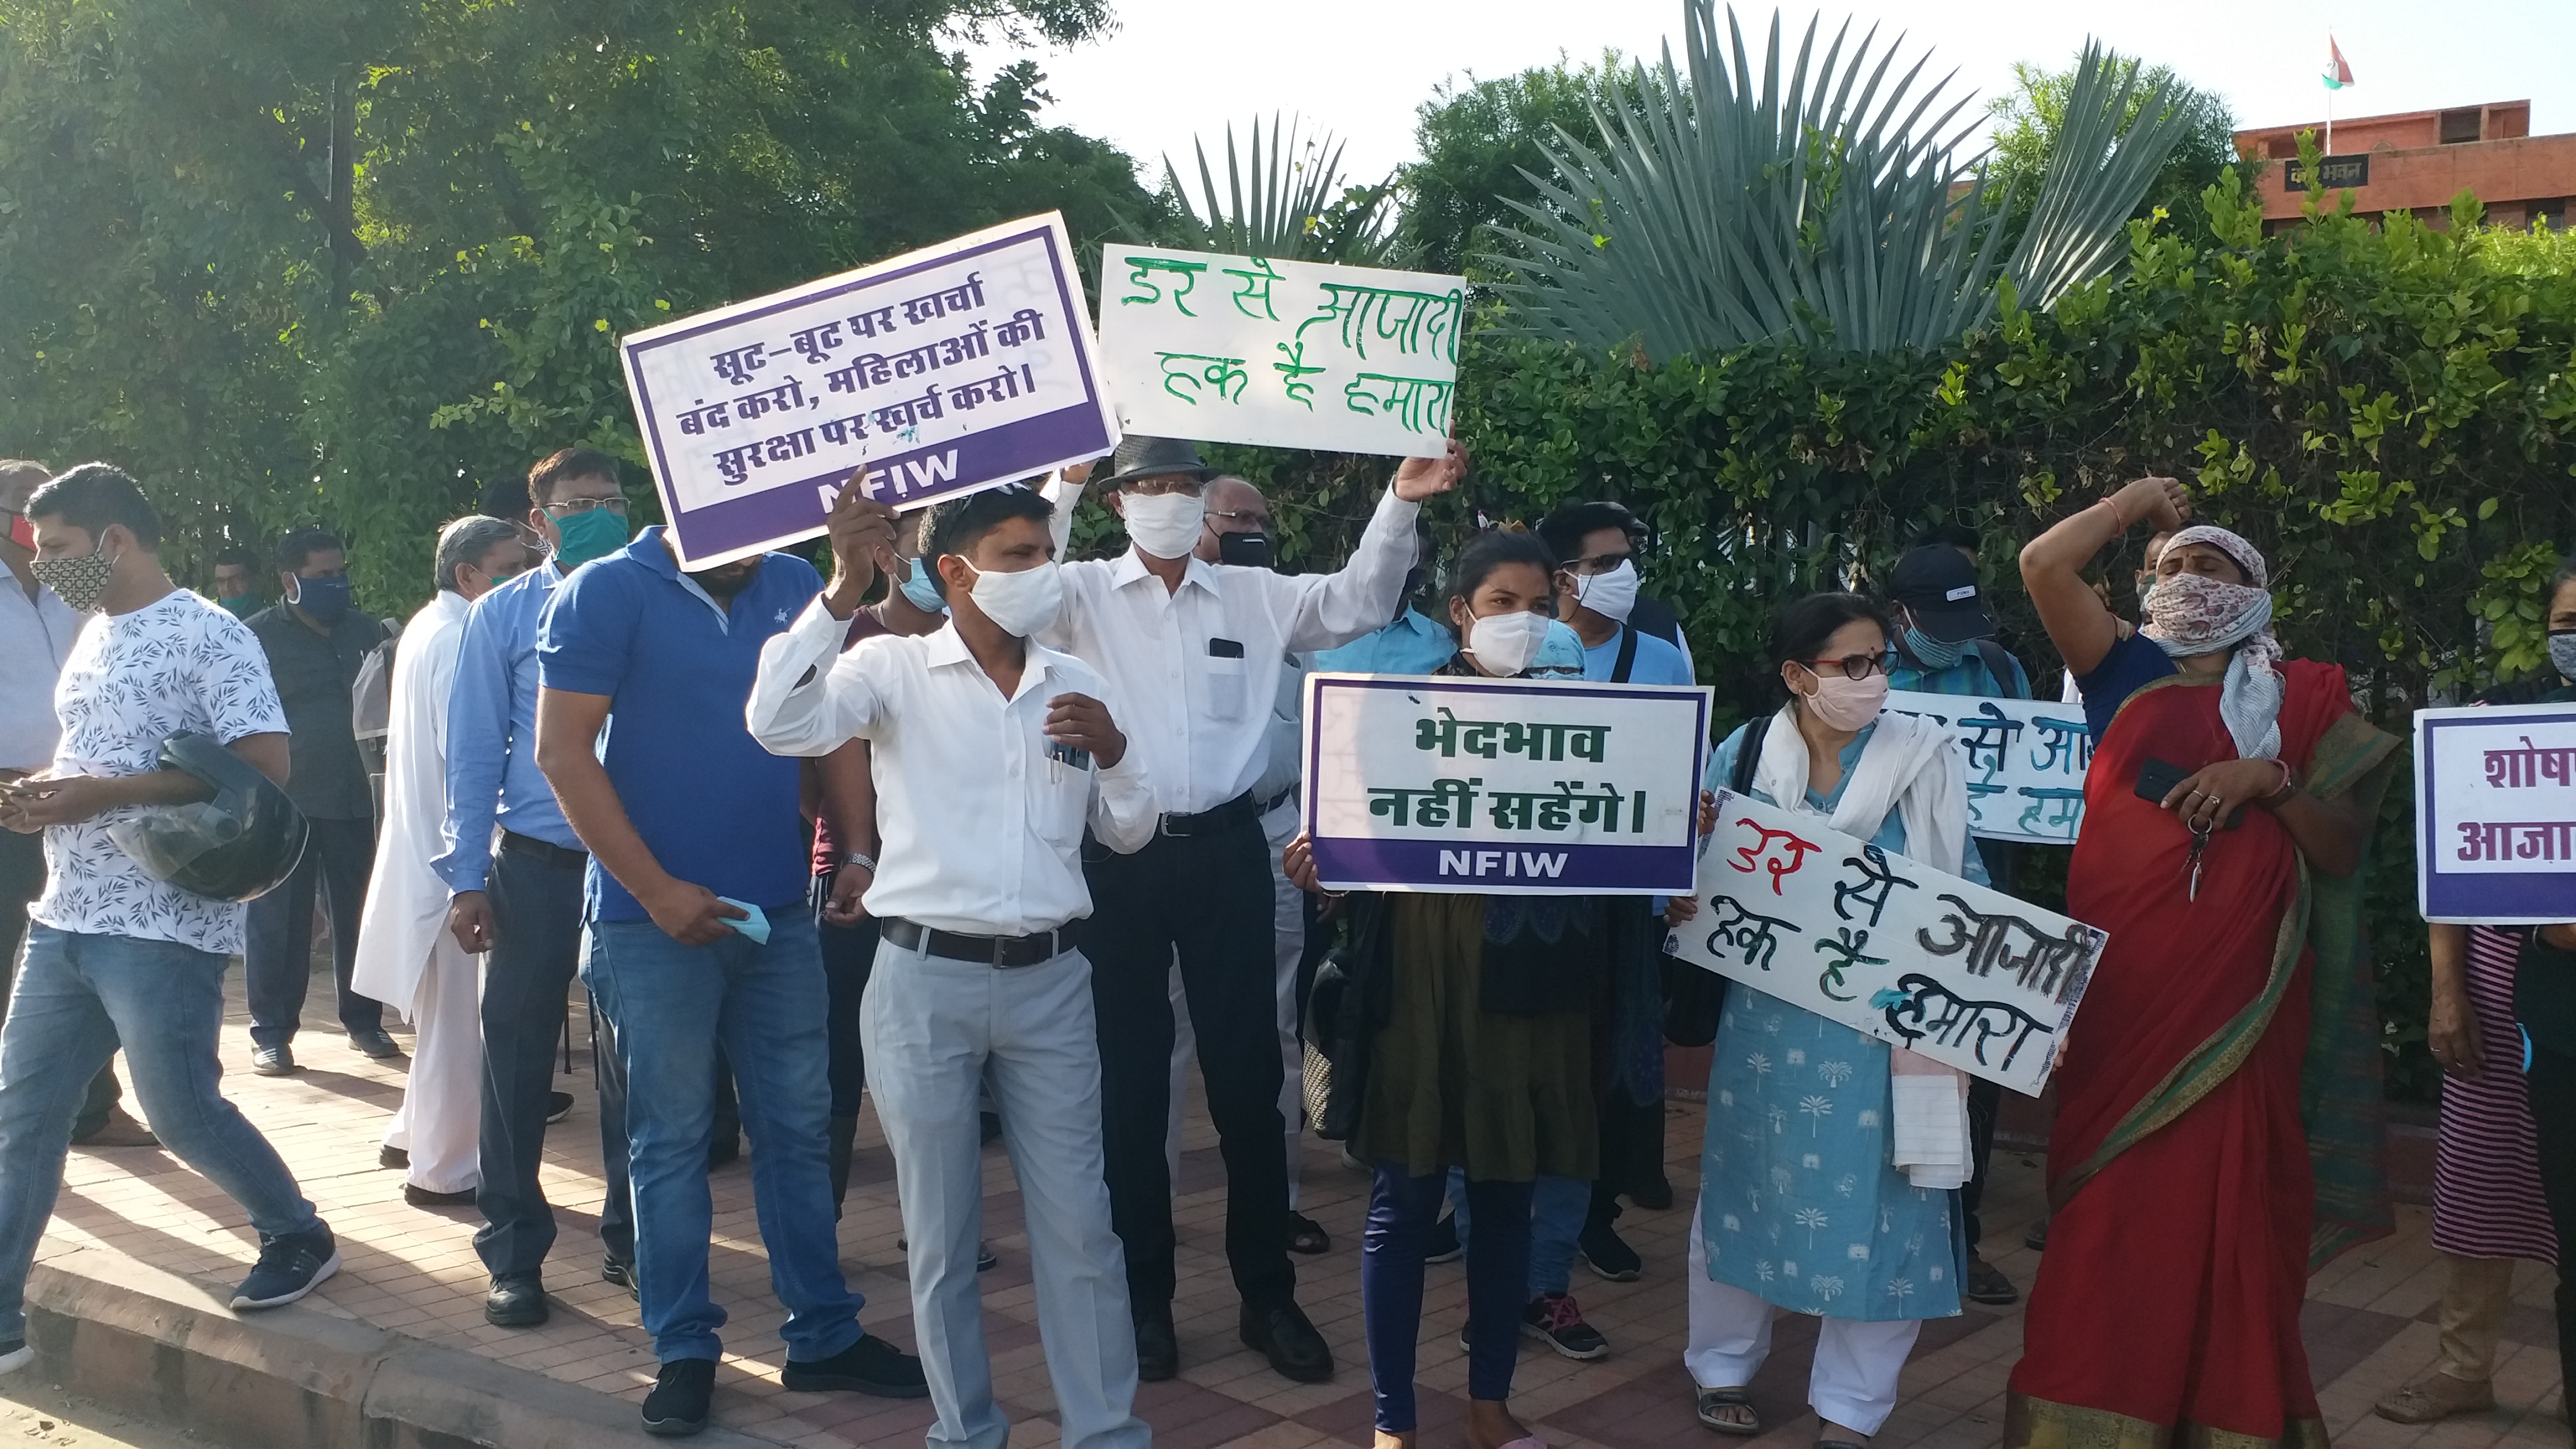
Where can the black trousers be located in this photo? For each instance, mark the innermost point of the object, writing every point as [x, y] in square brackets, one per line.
[276, 959]
[1985, 1098]
[2551, 1087]
[849, 954]
[536, 897]
[22, 880]
[1208, 897]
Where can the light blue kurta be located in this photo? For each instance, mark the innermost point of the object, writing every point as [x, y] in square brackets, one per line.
[1799, 1204]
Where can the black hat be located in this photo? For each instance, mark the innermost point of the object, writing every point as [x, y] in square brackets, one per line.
[235, 847]
[1938, 586]
[1142, 457]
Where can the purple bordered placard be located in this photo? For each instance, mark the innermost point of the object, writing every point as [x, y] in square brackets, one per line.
[1482, 859]
[785, 499]
[2543, 831]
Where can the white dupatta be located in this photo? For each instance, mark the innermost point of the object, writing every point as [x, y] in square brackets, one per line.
[1909, 766]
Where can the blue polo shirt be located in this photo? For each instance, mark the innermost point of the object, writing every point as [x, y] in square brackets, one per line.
[714, 807]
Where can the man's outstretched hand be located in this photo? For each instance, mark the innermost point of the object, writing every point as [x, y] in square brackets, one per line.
[1420, 478]
[862, 533]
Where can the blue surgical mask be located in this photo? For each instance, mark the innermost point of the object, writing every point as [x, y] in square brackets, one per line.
[1931, 652]
[589, 534]
[921, 589]
[325, 599]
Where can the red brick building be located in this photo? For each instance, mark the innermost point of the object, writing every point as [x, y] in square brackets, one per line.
[2419, 160]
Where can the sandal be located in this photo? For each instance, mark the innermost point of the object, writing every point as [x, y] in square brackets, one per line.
[1712, 1400]
[2435, 1396]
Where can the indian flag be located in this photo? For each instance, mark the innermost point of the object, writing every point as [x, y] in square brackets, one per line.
[2338, 74]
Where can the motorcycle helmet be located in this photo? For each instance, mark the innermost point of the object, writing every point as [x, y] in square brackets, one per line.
[235, 847]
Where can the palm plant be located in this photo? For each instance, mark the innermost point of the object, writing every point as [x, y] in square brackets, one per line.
[1288, 201]
[1836, 210]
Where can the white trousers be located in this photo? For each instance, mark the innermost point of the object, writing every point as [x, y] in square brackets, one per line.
[1288, 925]
[440, 1121]
[936, 1031]
[1857, 1362]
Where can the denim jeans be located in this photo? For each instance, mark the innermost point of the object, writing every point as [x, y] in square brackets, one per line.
[77, 996]
[672, 1006]
[1557, 1209]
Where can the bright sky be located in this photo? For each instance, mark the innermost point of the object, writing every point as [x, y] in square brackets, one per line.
[1177, 68]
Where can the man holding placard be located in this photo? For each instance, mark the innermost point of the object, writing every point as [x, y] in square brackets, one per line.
[1196, 649]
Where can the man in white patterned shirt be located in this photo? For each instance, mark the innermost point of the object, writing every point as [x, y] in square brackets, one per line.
[114, 954]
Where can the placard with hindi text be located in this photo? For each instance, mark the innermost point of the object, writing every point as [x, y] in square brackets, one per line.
[2495, 814]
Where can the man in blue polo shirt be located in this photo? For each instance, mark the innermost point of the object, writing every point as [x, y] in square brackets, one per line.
[700, 935]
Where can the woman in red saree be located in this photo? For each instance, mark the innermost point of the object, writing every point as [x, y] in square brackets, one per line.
[2217, 1126]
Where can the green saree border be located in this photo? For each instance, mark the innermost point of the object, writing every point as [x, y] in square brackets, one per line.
[2031, 1423]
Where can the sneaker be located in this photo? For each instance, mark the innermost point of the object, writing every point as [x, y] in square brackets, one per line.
[677, 1407]
[276, 1061]
[1609, 1255]
[613, 1269]
[15, 1355]
[1556, 1318]
[1441, 1244]
[374, 1041]
[869, 1366]
[1986, 1283]
[290, 1266]
[558, 1106]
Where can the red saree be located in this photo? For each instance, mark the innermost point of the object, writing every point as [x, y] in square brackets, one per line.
[2195, 1099]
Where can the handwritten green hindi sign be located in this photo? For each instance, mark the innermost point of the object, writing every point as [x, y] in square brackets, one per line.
[1234, 349]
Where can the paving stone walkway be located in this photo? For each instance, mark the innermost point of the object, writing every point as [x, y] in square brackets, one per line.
[2369, 1321]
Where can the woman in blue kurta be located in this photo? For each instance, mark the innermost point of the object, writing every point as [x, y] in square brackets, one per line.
[1801, 1206]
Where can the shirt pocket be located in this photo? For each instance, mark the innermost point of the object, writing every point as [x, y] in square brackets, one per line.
[1228, 687]
[1059, 801]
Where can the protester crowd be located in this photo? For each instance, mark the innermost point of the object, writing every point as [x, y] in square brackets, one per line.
[1000, 841]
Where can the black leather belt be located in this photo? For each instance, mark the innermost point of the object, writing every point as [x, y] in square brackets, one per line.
[545, 850]
[1002, 951]
[1241, 810]
[1274, 802]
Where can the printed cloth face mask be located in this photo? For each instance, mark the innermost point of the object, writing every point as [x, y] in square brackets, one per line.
[80, 582]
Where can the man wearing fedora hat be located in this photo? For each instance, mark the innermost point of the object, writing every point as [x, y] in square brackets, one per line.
[1195, 649]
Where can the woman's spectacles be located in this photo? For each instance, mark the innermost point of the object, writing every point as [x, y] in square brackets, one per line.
[1856, 666]
[570, 506]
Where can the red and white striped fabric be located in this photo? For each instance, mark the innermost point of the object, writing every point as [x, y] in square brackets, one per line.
[2486, 1176]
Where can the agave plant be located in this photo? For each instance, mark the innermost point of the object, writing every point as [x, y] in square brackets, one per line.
[1836, 210]
[1298, 206]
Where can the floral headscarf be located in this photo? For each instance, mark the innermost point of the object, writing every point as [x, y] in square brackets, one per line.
[2192, 614]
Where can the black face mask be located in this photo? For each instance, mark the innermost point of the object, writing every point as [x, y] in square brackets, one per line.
[1245, 550]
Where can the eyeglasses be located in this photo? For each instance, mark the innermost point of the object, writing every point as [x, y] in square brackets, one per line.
[1855, 666]
[571, 506]
[1260, 522]
[1156, 487]
[1599, 563]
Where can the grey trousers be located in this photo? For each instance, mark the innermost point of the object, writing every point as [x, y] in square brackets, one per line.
[937, 1031]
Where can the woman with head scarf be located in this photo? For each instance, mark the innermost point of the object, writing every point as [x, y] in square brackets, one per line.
[2217, 1127]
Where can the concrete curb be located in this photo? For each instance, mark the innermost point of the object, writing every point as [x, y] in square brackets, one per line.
[111, 1329]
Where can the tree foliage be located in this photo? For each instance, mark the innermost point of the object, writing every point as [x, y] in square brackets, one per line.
[2027, 120]
[362, 263]
[1288, 199]
[1483, 141]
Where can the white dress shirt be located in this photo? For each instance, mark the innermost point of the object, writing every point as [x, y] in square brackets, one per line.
[982, 829]
[35, 638]
[1202, 721]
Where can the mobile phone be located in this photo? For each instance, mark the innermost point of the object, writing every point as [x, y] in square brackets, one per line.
[1225, 648]
[2157, 779]
[1079, 759]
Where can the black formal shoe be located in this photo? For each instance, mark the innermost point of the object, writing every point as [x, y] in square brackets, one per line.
[1158, 1349]
[1441, 1244]
[421, 1197]
[558, 1106]
[989, 1124]
[677, 1407]
[392, 1157]
[613, 1269]
[2035, 1237]
[517, 1300]
[375, 1042]
[1655, 1194]
[1305, 1235]
[869, 1366]
[1290, 1342]
[986, 1260]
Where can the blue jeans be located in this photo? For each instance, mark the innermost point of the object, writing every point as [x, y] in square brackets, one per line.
[672, 1006]
[79, 995]
[1558, 1206]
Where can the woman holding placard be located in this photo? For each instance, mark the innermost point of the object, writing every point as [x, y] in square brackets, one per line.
[1803, 1201]
[2226, 815]
[1470, 1046]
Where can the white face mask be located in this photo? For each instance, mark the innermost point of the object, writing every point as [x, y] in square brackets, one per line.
[1504, 644]
[1165, 525]
[1612, 595]
[1020, 603]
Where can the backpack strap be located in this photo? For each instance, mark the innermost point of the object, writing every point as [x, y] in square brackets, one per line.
[2000, 665]
[1748, 756]
[1627, 659]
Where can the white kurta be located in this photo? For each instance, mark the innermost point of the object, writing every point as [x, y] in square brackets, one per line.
[406, 955]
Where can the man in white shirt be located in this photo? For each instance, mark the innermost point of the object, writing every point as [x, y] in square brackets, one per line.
[36, 632]
[1195, 651]
[406, 955]
[990, 755]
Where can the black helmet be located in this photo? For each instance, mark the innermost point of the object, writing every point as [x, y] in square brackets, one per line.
[235, 847]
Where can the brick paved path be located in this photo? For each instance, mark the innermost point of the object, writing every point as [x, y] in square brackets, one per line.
[2369, 1315]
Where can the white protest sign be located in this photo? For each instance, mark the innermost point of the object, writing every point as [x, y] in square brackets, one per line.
[2495, 814]
[1964, 974]
[1230, 349]
[944, 370]
[2025, 761]
[1503, 786]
